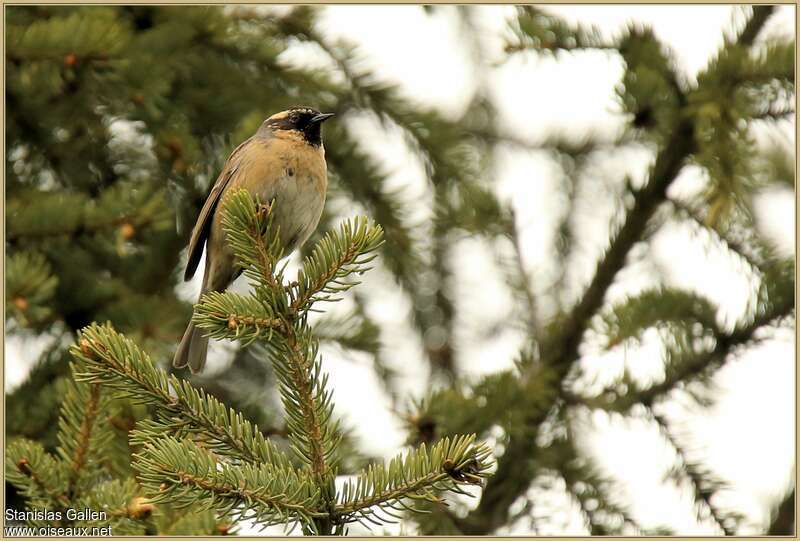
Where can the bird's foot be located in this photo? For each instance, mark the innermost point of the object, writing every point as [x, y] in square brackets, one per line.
[263, 209]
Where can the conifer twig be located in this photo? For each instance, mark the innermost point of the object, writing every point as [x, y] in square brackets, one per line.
[180, 472]
[713, 359]
[525, 282]
[231, 316]
[447, 464]
[334, 258]
[696, 478]
[306, 401]
[731, 244]
[249, 231]
[577, 470]
[35, 473]
[755, 24]
[84, 437]
[310, 407]
[50, 492]
[114, 360]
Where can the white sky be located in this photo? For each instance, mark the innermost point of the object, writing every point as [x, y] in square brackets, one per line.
[535, 96]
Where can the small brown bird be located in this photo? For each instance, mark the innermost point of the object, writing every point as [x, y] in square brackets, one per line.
[284, 161]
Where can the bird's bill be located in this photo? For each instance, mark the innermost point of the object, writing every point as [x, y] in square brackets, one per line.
[322, 117]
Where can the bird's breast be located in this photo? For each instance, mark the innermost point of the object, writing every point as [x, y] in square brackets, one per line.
[295, 175]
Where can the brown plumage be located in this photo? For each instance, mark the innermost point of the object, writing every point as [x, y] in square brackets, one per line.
[284, 161]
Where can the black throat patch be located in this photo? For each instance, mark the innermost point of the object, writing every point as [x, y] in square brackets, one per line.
[298, 119]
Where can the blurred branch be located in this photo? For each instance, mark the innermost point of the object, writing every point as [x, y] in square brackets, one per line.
[783, 523]
[716, 357]
[524, 279]
[703, 492]
[535, 29]
[667, 165]
[755, 24]
[559, 353]
[565, 234]
[512, 478]
[695, 215]
[74, 215]
[589, 487]
[696, 366]
[442, 358]
[557, 143]
[775, 113]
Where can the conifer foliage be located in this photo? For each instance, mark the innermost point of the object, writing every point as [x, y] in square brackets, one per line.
[196, 452]
[118, 119]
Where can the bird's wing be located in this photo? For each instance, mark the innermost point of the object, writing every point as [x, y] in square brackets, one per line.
[203, 224]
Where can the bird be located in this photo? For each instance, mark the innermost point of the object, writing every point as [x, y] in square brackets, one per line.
[283, 162]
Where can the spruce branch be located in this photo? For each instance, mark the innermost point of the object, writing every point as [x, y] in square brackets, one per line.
[559, 353]
[78, 430]
[294, 358]
[40, 215]
[183, 474]
[661, 306]
[36, 474]
[126, 510]
[308, 404]
[700, 222]
[535, 29]
[702, 486]
[685, 366]
[418, 475]
[295, 354]
[335, 257]
[754, 24]
[249, 232]
[232, 316]
[113, 360]
[30, 287]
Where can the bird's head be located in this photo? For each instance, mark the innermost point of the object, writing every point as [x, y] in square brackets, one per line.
[302, 123]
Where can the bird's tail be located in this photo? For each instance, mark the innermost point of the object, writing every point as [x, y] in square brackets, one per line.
[192, 350]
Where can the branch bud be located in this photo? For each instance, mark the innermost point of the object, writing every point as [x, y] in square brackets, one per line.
[140, 507]
[23, 466]
[21, 303]
[127, 231]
